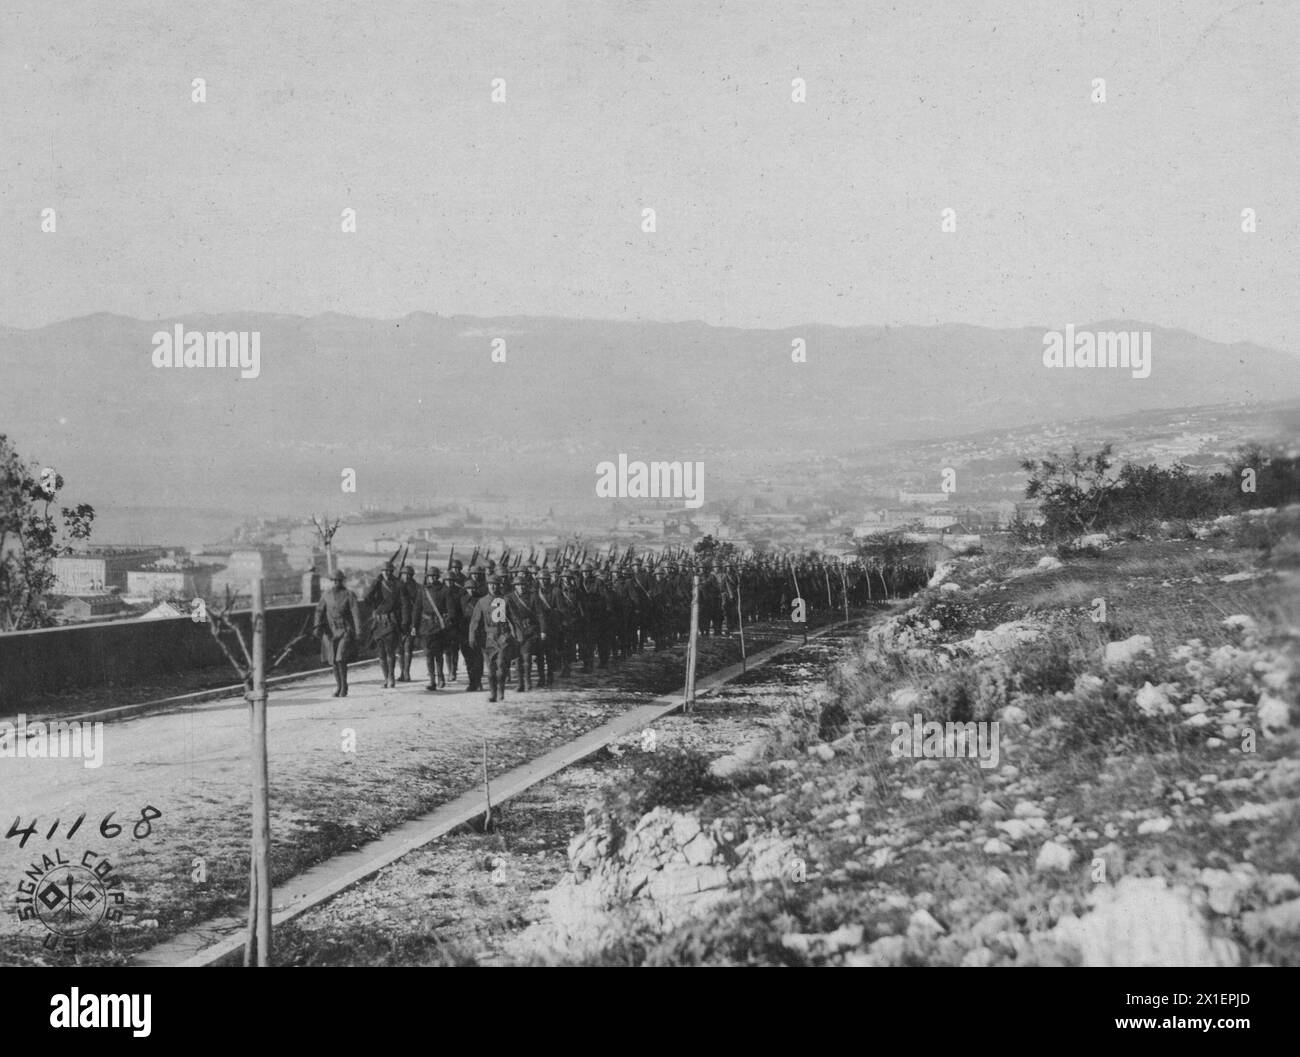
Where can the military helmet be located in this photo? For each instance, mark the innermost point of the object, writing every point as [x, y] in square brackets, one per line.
[337, 576]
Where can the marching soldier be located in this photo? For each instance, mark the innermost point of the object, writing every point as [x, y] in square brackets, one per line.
[338, 624]
[382, 598]
[493, 629]
[569, 618]
[471, 592]
[532, 624]
[408, 596]
[437, 618]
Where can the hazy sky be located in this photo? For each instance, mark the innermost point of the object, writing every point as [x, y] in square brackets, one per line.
[769, 212]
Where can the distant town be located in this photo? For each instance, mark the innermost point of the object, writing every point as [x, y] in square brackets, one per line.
[948, 493]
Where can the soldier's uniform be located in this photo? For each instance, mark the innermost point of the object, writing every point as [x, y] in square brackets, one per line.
[569, 619]
[385, 607]
[471, 591]
[437, 620]
[493, 628]
[533, 625]
[338, 623]
[597, 636]
[661, 597]
[408, 596]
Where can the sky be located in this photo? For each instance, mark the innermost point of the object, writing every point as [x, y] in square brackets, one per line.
[768, 212]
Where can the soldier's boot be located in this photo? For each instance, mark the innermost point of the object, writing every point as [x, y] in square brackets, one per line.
[407, 648]
[501, 682]
[338, 681]
[442, 681]
[432, 661]
[492, 681]
[343, 675]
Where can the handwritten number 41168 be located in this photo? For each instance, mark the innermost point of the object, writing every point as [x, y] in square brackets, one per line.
[108, 829]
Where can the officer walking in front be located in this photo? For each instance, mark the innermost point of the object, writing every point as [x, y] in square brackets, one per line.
[338, 624]
[492, 627]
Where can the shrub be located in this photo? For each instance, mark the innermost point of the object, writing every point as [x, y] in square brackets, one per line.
[667, 778]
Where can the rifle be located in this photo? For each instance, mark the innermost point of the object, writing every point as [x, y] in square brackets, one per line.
[426, 566]
[451, 556]
[473, 557]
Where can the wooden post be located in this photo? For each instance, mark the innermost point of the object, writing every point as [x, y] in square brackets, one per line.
[260, 923]
[740, 621]
[830, 604]
[844, 586]
[689, 703]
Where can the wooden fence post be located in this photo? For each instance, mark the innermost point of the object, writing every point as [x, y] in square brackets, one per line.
[260, 923]
[740, 620]
[689, 702]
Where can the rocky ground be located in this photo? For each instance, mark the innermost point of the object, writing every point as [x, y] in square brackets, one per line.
[1144, 807]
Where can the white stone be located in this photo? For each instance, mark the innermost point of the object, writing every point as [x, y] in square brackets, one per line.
[1128, 650]
[1274, 713]
[1053, 856]
[1140, 921]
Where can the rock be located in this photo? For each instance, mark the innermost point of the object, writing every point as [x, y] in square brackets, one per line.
[905, 699]
[1274, 713]
[1224, 889]
[1280, 920]
[823, 752]
[700, 850]
[1155, 825]
[1028, 809]
[978, 958]
[1127, 650]
[991, 924]
[998, 640]
[823, 942]
[1153, 700]
[1277, 886]
[1142, 922]
[922, 924]
[993, 846]
[990, 808]
[1047, 563]
[996, 879]
[912, 794]
[1020, 828]
[1053, 856]
[1013, 715]
[950, 588]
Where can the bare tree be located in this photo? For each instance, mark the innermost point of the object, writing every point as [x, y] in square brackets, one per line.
[325, 530]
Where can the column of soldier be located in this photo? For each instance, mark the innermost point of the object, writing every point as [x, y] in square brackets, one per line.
[568, 610]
